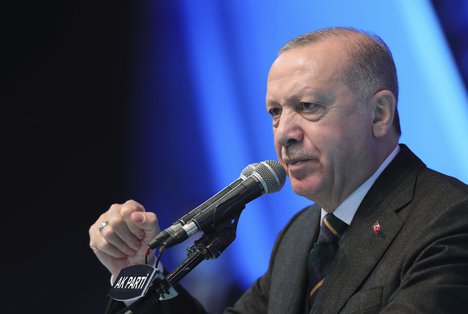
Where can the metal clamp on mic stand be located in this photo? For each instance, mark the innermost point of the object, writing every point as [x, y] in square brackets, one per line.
[209, 246]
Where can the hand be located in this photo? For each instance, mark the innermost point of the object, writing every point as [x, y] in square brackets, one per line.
[124, 239]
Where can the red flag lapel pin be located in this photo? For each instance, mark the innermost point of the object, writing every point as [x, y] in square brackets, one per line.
[376, 227]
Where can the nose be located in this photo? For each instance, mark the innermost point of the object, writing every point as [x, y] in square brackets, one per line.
[289, 129]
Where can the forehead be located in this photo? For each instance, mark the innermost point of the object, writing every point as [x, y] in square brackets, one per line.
[326, 55]
[307, 67]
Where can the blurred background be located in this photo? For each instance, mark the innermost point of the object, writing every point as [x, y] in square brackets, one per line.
[163, 102]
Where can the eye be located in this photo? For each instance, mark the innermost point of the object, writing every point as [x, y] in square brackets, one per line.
[275, 111]
[311, 111]
[308, 106]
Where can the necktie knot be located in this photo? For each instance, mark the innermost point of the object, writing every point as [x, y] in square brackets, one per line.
[332, 229]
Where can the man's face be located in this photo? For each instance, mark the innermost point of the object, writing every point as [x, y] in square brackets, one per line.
[322, 133]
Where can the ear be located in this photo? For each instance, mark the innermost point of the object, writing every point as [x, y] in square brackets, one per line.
[383, 104]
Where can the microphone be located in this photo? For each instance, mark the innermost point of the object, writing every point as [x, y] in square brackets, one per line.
[267, 177]
[176, 226]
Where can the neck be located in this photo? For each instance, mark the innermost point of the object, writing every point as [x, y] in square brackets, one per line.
[330, 204]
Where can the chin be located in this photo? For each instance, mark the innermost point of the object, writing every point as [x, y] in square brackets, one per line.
[305, 188]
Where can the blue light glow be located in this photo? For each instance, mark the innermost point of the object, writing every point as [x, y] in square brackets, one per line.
[230, 46]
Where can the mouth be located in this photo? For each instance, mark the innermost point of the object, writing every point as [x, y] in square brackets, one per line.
[295, 161]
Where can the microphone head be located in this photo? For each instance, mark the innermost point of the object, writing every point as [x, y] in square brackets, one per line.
[271, 175]
[247, 171]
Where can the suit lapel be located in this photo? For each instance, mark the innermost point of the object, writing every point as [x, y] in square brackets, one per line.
[296, 274]
[362, 248]
[288, 292]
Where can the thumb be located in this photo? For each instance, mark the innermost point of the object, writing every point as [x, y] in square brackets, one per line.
[146, 221]
[138, 217]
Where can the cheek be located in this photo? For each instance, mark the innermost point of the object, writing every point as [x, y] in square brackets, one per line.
[278, 151]
[277, 145]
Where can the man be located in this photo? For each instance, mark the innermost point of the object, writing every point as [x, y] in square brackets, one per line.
[403, 247]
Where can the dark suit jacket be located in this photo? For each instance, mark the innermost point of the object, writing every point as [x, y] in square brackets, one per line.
[417, 263]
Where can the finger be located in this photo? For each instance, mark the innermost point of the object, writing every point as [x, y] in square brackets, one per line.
[100, 246]
[128, 208]
[147, 222]
[122, 231]
[115, 217]
[123, 226]
[109, 234]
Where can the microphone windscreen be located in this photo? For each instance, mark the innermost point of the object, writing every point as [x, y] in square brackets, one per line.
[271, 175]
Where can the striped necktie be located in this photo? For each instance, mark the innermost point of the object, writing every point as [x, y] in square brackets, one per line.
[323, 252]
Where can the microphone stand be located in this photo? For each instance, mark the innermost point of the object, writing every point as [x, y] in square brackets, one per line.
[209, 246]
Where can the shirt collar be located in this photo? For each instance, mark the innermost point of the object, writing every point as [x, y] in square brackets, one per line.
[347, 209]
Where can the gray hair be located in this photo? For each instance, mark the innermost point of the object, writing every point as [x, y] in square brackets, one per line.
[370, 67]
